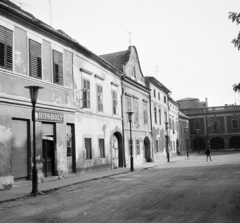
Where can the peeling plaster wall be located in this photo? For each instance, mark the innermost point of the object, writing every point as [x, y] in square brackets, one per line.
[5, 150]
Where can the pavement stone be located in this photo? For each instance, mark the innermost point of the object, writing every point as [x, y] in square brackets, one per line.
[25, 189]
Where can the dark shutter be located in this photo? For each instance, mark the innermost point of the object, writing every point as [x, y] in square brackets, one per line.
[6, 42]
[35, 59]
[57, 67]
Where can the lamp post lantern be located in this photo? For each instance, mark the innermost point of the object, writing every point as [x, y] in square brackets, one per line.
[186, 130]
[167, 150]
[131, 147]
[33, 90]
[198, 130]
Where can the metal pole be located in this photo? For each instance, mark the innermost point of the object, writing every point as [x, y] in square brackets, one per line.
[198, 144]
[168, 157]
[187, 147]
[131, 148]
[34, 169]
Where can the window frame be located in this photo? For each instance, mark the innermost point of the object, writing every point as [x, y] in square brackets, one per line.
[215, 121]
[35, 56]
[7, 45]
[99, 100]
[86, 93]
[101, 150]
[114, 101]
[86, 149]
[155, 114]
[128, 103]
[159, 115]
[237, 121]
[136, 110]
[145, 112]
[196, 124]
[57, 67]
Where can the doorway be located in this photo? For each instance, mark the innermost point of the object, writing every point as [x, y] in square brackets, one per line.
[71, 158]
[147, 149]
[48, 157]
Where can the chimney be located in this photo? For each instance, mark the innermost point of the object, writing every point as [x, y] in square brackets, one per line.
[206, 102]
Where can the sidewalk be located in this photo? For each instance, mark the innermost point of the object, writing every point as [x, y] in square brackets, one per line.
[19, 192]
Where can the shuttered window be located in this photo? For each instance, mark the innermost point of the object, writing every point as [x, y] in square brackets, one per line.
[6, 43]
[86, 94]
[99, 98]
[101, 148]
[35, 60]
[114, 95]
[57, 67]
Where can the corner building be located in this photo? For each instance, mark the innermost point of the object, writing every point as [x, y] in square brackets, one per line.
[78, 125]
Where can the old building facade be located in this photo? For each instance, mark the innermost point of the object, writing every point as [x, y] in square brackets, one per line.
[173, 126]
[135, 98]
[78, 125]
[217, 127]
[159, 116]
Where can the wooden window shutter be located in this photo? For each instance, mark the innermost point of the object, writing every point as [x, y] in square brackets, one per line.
[6, 43]
[57, 67]
[35, 59]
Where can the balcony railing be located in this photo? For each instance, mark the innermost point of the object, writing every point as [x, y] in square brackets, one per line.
[211, 109]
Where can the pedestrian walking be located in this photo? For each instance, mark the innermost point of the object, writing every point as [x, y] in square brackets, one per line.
[208, 153]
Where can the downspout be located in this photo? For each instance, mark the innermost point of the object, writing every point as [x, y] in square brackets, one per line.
[150, 100]
[123, 137]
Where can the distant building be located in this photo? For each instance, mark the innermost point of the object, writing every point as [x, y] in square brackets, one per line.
[183, 136]
[217, 127]
[159, 116]
[173, 125]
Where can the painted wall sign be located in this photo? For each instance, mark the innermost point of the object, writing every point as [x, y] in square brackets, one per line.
[49, 116]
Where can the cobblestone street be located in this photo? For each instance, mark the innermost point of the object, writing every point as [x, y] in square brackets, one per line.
[190, 190]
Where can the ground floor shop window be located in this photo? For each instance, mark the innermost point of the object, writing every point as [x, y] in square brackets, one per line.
[88, 147]
[101, 148]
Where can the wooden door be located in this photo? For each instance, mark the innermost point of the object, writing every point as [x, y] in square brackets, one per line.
[19, 152]
[48, 157]
[70, 148]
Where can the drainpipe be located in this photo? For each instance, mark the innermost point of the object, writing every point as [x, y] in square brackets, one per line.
[150, 102]
[123, 137]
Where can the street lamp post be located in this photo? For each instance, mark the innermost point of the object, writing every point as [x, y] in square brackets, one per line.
[33, 90]
[167, 151]
[198, 130]
[186, 130]
[131, 147]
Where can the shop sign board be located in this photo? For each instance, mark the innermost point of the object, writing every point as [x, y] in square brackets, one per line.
[43, 116]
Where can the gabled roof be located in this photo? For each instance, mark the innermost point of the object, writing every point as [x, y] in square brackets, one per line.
[117, 59]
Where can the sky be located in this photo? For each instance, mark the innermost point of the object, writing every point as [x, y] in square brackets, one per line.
[185, 44]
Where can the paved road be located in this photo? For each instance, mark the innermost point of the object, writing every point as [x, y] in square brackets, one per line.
[190, 190]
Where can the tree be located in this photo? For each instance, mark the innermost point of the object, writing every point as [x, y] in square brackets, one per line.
[236, 87]
[235, 17]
